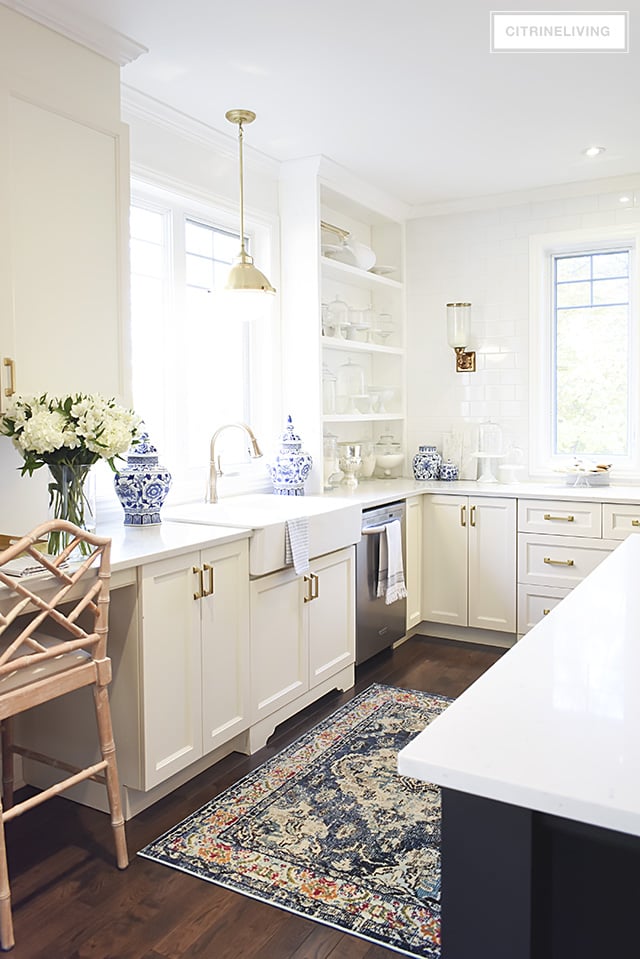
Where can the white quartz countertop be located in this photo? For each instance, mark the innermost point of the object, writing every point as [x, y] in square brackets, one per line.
[132, 546]
[374, 492]
[554, 725]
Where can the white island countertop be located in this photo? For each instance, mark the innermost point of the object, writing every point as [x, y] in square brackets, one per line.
[554, 725]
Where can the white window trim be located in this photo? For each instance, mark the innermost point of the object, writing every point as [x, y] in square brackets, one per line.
[542, 247]
[265, 363]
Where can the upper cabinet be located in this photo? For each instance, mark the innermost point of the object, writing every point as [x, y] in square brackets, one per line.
[343, 308]
[64, 198]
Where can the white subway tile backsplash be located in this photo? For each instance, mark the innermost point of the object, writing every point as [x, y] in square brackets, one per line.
[483, 256]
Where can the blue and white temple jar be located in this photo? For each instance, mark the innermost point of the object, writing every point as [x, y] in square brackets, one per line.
[292, 465]
[448, 471]
[142, 486]
[426, 463]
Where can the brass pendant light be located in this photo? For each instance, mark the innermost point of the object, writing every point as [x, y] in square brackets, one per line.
[244, 278]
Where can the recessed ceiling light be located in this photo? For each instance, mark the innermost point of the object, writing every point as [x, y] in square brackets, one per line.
[624, 199]
[594, 151]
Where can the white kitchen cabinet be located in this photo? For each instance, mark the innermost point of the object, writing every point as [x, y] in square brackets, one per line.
[413, 577]
[620, 519]
[194, 687]
[469, 561]
[302, 630]
[559, 543]
[313, 191]
[64, 194]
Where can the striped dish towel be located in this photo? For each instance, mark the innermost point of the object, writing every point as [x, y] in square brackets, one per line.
[391, 583]
[296, 544]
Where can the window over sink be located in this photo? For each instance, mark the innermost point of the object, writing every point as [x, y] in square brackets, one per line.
[192, 369]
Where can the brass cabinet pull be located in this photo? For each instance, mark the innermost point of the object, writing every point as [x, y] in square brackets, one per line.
[313, 587]
[560, 519]
[558, 562]
[309, 594]
[11, 388]
[200, 574]
[463, 510]
[472, 516]
[207, 568]
[635, 522]
[545, 612]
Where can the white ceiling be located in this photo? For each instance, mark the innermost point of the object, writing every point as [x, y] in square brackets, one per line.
[405, 93]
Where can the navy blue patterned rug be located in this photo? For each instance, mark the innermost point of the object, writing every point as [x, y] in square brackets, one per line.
[329, 830]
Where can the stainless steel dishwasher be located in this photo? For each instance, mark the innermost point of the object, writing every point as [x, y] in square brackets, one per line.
[378, 625]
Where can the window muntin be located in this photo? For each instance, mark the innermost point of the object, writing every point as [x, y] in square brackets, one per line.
[573, 251]
[591, 348]
[190, 368]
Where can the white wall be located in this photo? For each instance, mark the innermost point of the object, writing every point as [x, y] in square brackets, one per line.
[482, 256]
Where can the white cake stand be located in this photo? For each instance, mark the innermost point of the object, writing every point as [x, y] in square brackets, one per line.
[486, 472]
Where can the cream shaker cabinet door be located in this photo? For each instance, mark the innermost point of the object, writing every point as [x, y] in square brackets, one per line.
[171, 667]
[224, 611]
[64, 196]
[330, 609]
[445, 570]
[279, 647]
[492, 563]
[195, 636]
[469, 561]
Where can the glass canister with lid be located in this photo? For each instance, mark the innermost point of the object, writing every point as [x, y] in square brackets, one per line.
[328, 391]
[349, 384]
[331, 474]
[337, 318]
[389, 457]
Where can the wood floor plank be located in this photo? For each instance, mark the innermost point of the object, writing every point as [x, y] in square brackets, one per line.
[71, 902]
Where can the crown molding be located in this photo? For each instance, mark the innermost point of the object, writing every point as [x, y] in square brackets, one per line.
[87, 31]
[138, 105]
[556, 191]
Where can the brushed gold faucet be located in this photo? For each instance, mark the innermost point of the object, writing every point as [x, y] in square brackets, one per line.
[215, 469]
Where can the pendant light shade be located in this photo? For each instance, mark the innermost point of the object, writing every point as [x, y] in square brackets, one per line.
[245, 283]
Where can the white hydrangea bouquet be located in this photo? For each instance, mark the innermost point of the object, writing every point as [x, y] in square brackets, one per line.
[68, 434]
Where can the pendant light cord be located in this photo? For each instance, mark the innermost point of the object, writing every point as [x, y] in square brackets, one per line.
[241, 152]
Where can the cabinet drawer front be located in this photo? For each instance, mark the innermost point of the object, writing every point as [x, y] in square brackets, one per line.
[534, 603]
[618, 521]
[558, 560]
[559, 517]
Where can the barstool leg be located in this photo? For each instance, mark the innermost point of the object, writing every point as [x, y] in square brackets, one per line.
[6, 733]
[108, 751]
[7, 940]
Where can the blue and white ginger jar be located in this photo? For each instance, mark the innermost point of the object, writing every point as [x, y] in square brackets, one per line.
[426, 463]
[142, 486]
[448, 471]
[292, 465]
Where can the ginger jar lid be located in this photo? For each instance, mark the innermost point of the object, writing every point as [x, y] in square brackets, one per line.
[143, 453]
[290, 439]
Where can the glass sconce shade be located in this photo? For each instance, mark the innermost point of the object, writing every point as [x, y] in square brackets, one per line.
[458, 324]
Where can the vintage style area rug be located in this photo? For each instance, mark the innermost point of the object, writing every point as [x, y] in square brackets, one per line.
[329, 830]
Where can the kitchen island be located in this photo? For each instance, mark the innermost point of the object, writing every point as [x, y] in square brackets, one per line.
[539, 765]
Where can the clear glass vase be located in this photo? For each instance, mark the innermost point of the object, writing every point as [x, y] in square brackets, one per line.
[72, 496]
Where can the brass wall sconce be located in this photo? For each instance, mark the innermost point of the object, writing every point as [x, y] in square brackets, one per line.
[458, 333]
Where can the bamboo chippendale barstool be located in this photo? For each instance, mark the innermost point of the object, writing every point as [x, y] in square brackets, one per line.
[53, 640]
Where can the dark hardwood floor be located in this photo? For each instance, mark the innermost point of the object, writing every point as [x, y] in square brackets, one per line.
[71, 902]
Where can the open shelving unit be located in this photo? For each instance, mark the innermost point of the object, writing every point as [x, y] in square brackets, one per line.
[315, 191]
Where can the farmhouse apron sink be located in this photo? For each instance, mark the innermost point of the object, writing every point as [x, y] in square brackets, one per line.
[333, 523]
